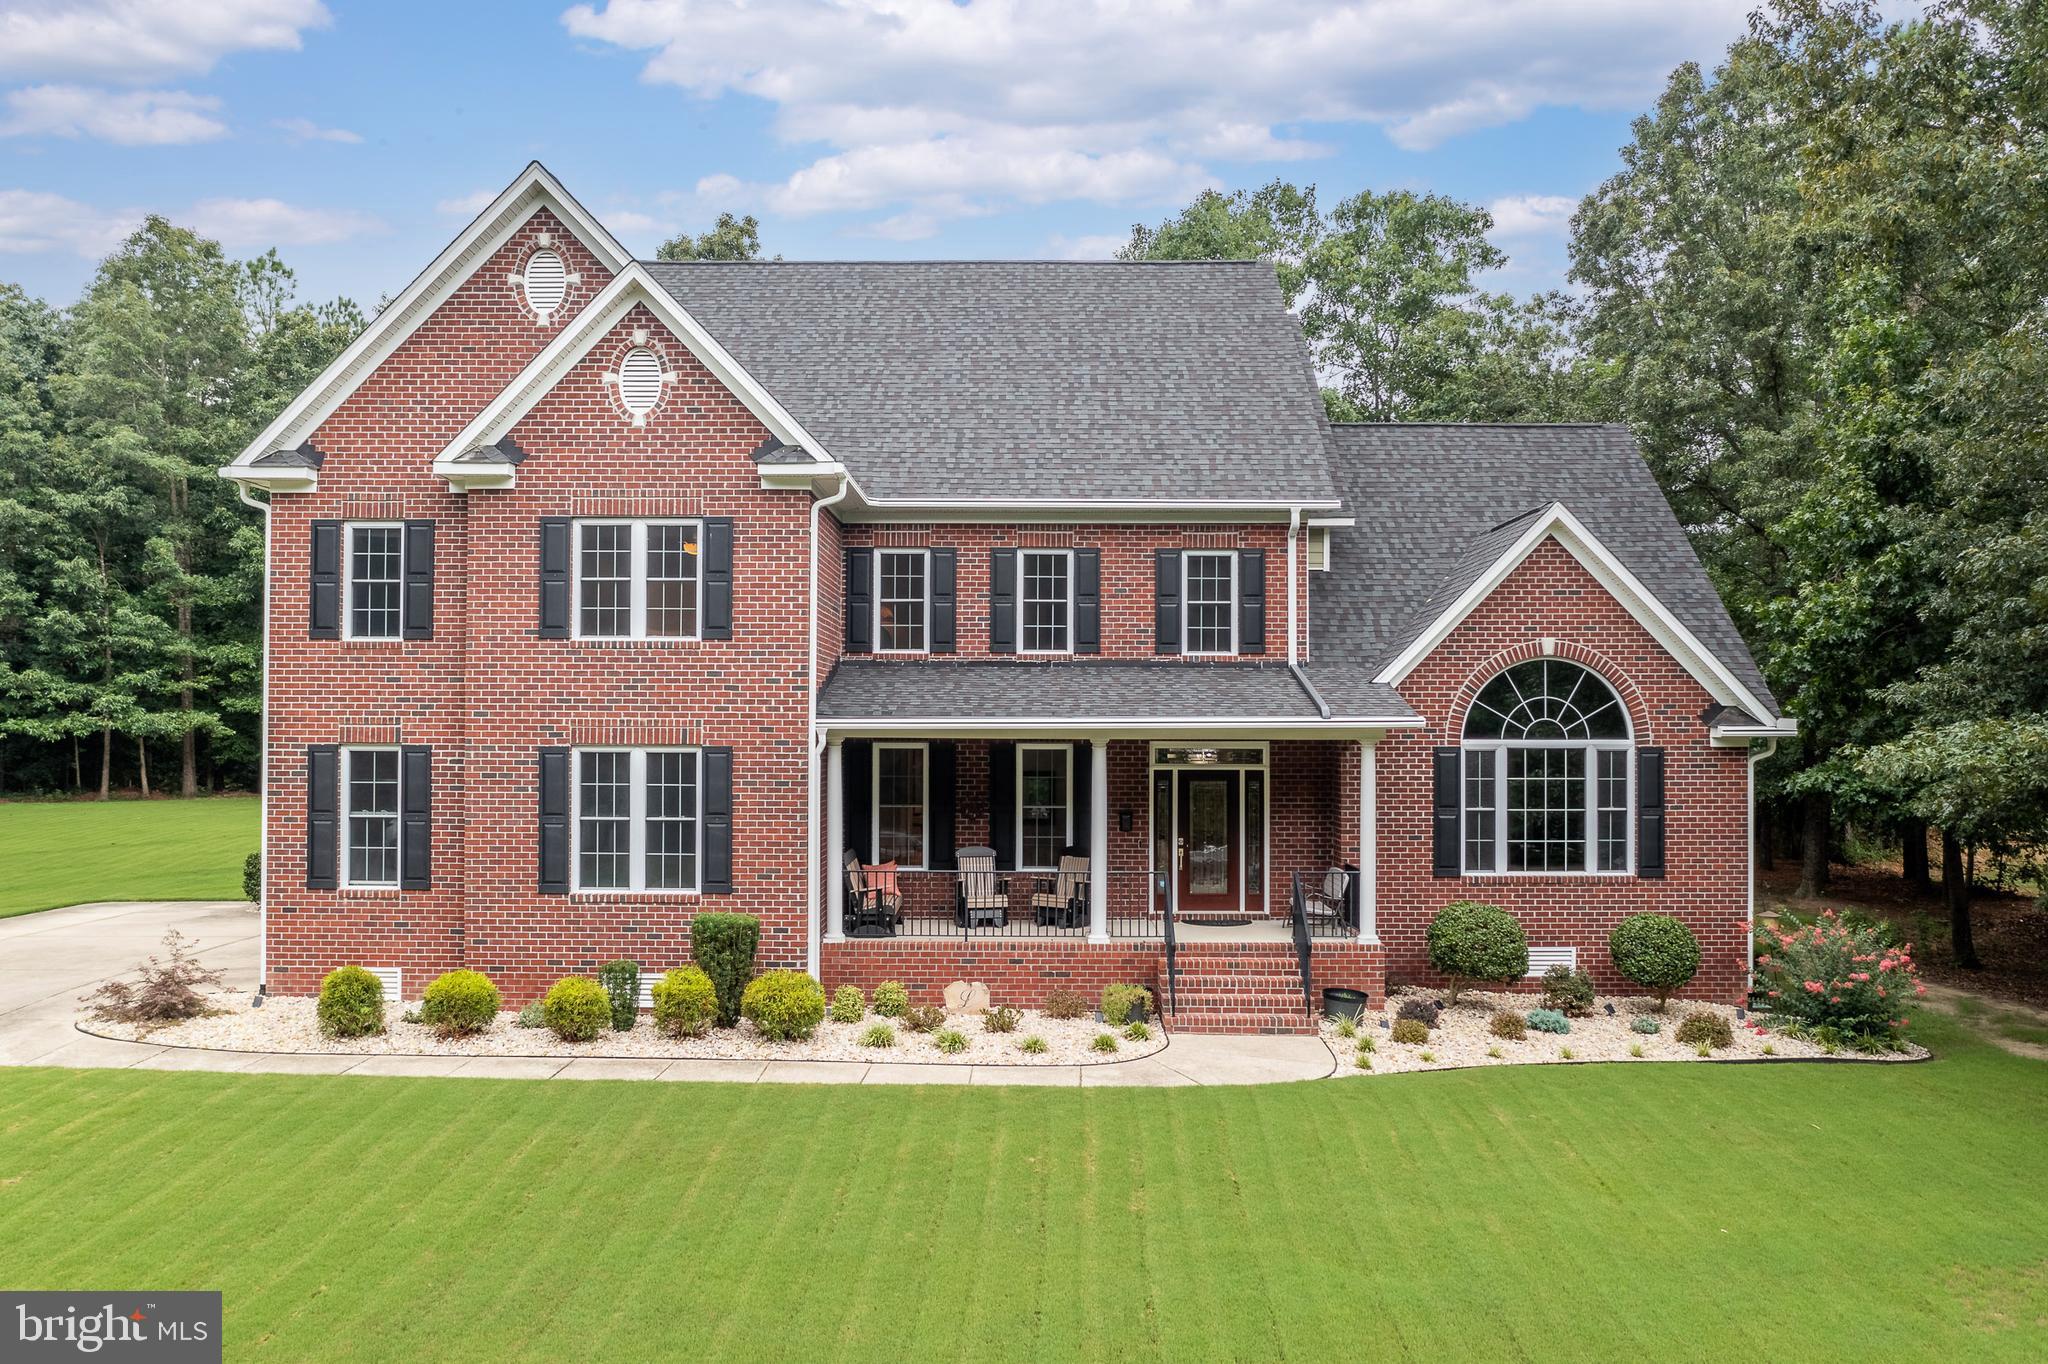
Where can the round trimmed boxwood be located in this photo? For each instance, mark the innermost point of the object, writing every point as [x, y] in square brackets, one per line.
[351, 1003]
[892, 999]
[685, 1003]
[577, 1009]
[460, 1003]
[1655, 951]
[1471, 941]
[784, 1006]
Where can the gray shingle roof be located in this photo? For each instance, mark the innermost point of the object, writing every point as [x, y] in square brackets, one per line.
[1030, 379]
[865, 689]
[1437, 503]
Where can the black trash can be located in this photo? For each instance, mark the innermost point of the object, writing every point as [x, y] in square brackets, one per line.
[1342, 1003]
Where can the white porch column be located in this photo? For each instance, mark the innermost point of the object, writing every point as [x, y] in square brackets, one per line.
[1098, 840]
[1368, 842]
[835, 842]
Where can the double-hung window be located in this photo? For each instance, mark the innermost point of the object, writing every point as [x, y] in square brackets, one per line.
[1210, 591]
[370, 828]
[637, 579]
[901, 790]
[901, 601]
[637, 826]
[1045, 806]
[1547, 773]
[1046, 577]
[375, 575]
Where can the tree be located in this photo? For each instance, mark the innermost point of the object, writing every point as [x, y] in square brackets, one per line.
[1277, 223]
[730, 238]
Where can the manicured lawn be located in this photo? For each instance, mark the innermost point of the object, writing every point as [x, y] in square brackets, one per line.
[70, 852]
[1645, 1213]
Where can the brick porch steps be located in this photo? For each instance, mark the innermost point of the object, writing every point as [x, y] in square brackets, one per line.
[1238, 988]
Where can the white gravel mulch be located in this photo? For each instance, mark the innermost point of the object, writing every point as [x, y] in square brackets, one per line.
[291, 1025]
[1462, 1037]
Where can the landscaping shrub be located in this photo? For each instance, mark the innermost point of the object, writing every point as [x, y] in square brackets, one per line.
[1065, 1004]
[950, 1041]
[576, 1009]
[849, 1005]
[724, 945]
[1645, 1025]
[1423, 1011]
[1839, 976]
[460, 1003]
[1471, 941]
[351, 1003]
[167, 991]
[1103, 1042]
[252, 877]
[1001, 1018]
[685, 1002]
[621, 981]
[1509, 1024]
[1033, 1045]
[532, 1016]
[1656, 952]
[878, 1035]
[1549, 1020]
[1411, 1030]
[1123, 1003]
[1366, 1043]
[784, 1006]
[924, 1019]
[1704, 1028]
[1568, 990]
[891, 999]
[1137, 1032]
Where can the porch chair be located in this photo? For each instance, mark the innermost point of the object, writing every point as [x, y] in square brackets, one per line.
[1061, 899]
[871, 912]
[1328, 905]
[984, 896]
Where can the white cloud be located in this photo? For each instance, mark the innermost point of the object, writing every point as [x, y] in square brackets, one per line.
[1090, 246]
[306, 130]
[1533, 215]
[467, 205]
[133, 118]
[133, 41]
[628, 220]
[272, 222]
[32, 221]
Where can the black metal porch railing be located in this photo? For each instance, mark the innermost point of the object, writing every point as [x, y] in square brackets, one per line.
[1297, 906]
[1020, 904]
[1323, 906]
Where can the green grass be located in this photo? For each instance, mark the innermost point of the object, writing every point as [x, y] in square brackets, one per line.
[72, 852]
[1586, 1212]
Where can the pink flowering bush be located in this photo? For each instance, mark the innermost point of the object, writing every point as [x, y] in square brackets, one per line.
[1838, 981]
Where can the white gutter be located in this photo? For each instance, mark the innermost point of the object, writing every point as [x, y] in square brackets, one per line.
[1749, 963]
[262, 767]
[813, 918]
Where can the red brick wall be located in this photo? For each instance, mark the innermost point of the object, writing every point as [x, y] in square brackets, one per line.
[1706, 788]
[1018, 972]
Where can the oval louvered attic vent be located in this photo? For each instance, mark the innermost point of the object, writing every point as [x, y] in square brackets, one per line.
[640, 381]
[546, 281]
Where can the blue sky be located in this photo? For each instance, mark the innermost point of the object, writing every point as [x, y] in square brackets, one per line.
[358, 137]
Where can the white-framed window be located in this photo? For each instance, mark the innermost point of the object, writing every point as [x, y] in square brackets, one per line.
[375, 572]
[1209, 588]
[1045, 581]
[902, 791]
[902, 600]
[637, 579]
[1548, 784]
[1045, 804]
[369, 782]
[637, 825]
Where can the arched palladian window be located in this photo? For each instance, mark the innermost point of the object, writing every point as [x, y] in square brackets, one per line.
[1546, 760]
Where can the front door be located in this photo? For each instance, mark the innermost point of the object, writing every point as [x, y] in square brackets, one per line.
[1209, 842]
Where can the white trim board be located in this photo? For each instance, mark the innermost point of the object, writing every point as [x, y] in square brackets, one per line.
[1558, 523]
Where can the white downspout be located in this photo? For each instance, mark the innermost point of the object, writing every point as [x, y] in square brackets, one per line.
[262, 766]
[1293, 623]
[1749, 961]
[816, 743]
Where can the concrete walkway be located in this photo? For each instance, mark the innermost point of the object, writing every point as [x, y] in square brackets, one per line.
[49, 959]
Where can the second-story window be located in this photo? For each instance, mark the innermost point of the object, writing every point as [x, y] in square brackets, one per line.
[1211, 593]
[1046, 578]
[375, 568]
[900, 600]
[636, 579]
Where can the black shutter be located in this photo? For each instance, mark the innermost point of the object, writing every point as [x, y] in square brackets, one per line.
[1166, 602]
[860, 601]
[554, 821]
[716, 552]
[1445, 824]
[554, 579]
[1087, 601]
[325, 614]
[419, 580]
[1002, 803]
[857, 778]
[943, 777]
[1084, 795]
[323, 814]
[945, 600]
[1251, 601]
[1002, 601]
[718, 821]
[415, 816]
[1650, 813]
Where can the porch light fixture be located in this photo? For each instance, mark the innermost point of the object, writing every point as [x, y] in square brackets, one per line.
[1123, 820]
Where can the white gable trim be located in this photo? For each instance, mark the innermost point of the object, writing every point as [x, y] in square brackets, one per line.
[1559, 524]
[632, 286]
[534, 188]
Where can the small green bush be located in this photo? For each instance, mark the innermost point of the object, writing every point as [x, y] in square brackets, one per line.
[1103, 1042]
[351, 1003]
[849, 1005]
[621, 981]
[784, 1006]
[1366, 1042]
[878, 1035]
[1568, 990]
[924, 1019]
[1001, 1018]
[576, 1009]
[1471, 941]
[1636, 1050]
[1137, 1032]
[1645, 1025]
[1508, 1024]
[950, 1041]
[1549, 1020]
[1423, 1011]
[460, 1003]
[891, 999]
[1123, 1003]
[1702, 1028]
[1362, 1061]
[1656, 952]
[1411, 1031]
[724, 945]
[1564, 1053]
[532, 1016]
[1345, 1028]
[1065, 1004]
[252, 878]
[1428, 1057]
[685, 1002]
[1033, 1045]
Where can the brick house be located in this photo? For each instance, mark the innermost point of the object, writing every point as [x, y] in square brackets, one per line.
[604, 591]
